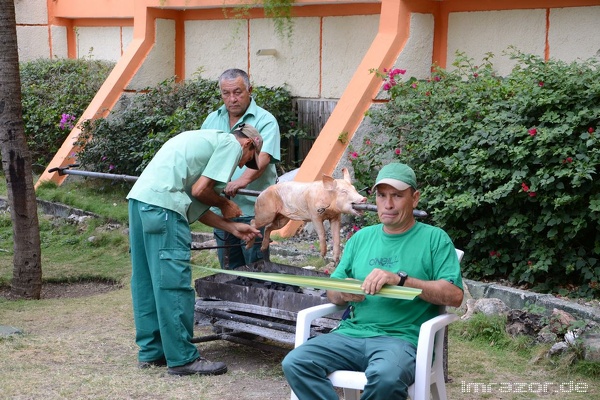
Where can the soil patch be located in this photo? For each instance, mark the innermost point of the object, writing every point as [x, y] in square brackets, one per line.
[51, 290]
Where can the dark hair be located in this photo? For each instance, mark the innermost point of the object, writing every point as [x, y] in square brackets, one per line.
[235, 73]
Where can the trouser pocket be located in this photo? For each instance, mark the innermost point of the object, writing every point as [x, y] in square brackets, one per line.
[175, 270]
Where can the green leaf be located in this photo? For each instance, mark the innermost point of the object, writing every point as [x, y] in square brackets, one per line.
[320, 282]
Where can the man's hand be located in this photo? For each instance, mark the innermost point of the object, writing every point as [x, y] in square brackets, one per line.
[232, 187]
[230, 210]
[244, 231]
[377, 278]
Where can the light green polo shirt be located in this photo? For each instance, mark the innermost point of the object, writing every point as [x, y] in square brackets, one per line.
[424, 252]
[168, 179]
[266, 124]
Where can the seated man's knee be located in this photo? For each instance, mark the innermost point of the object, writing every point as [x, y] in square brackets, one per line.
[289, 362]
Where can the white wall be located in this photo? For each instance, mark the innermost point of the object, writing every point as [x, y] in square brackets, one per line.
[99, 43]
[160, 63]
[296, 63]
[574, 33]
[477, 33]
[211, 47]
[323, 53]
[345, 42]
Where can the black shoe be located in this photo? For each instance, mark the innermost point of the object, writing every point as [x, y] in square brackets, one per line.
[199, 367]
[161, 362]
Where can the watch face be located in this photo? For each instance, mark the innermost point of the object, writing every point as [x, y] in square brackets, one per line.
[403, 275]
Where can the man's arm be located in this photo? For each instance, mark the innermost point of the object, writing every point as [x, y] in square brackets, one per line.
[238, 229]
[203, 191]
[438, 292]
[249, 175]
[342, 298]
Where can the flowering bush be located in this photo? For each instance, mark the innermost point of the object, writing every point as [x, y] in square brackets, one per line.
[54, 95]
[506, 165]
[125, 141]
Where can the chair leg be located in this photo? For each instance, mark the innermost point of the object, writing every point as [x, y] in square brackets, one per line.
[438, 388]
[351, 394]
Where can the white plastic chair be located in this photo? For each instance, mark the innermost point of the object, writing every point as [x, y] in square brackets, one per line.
[429, 372]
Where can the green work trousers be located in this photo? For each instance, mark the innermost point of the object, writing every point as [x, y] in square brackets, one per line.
[163, 300]
[388, 362]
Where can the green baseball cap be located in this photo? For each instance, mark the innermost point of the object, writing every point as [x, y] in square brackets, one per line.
[400, 176]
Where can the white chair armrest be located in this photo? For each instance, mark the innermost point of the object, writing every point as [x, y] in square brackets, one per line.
[306, 316]
[429, 331]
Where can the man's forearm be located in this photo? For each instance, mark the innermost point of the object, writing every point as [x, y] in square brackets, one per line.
[215, 221]
[438, 292]
[335, 297]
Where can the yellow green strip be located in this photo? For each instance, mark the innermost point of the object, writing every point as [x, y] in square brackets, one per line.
[320, 282]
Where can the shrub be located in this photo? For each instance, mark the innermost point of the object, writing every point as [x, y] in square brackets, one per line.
[506, 165]
[54, 95]
[126, 141]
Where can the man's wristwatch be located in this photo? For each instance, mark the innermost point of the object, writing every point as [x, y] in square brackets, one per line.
[403, 275]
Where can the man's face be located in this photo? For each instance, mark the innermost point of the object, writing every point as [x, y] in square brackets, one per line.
[248, 152]
[395, 207]
[235, 96]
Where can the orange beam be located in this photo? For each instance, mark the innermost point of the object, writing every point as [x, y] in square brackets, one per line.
[326, 152]
[110, 91]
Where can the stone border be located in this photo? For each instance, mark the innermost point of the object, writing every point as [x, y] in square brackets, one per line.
[518, 299]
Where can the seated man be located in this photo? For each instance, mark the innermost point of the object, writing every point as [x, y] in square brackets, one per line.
[380, 334]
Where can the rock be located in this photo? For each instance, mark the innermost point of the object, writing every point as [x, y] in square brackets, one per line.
[491, 306]
[6, 331]
[520, 322]
[562, 316]
[558, 348]
[545, 335]
[591, 343]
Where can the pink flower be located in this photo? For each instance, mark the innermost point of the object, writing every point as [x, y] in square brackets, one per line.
[475, 75]
[66, 121]
[591, 129]
[437, 78]
[111, 167]
[414, 85]
[368, 142]
[568, 160]
[387, 86]
[524, 187]
[398, 152]
[541, 83]
[353, 155]
[532, 132]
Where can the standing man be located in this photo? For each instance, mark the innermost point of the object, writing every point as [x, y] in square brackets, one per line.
[240, 108]
[380, 335]
[179, 185]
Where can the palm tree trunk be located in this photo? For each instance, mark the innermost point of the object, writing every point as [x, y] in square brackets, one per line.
[16, 163]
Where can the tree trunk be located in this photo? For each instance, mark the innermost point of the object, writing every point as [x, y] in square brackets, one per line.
[16, 163]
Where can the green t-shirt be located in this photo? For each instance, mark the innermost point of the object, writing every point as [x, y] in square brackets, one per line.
[424, 252]
[168, 179]
[266, 124]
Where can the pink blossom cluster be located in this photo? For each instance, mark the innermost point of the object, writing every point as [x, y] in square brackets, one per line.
[390, 80]
[67, 121]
